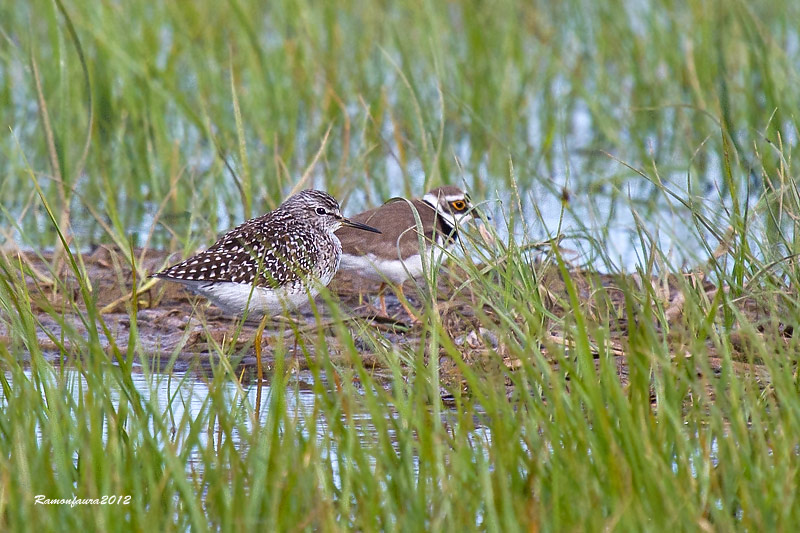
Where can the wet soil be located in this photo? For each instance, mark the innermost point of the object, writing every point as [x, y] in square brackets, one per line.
[175, 330]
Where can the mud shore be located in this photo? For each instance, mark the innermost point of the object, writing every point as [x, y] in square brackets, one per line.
[178, 331]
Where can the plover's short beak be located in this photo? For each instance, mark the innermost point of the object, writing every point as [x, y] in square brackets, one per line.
[358, 225]
[479, 213]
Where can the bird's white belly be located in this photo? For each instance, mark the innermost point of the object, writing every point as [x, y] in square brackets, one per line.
[234, 298]
[397, 271]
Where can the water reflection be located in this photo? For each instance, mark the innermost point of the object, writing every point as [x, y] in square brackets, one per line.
[180, 399]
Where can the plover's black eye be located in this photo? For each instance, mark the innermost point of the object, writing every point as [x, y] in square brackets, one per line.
[320, 210]
[459, 205]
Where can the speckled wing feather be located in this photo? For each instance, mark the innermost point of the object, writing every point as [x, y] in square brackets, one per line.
[262, 251]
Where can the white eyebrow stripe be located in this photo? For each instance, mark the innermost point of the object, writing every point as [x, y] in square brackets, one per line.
[433, 199]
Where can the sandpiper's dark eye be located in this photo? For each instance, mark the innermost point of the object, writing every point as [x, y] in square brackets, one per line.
[459, 205]
[320, 211]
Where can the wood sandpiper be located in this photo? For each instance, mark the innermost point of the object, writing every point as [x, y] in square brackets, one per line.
[270, 263]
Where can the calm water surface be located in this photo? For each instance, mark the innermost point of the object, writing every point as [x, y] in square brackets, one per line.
[182, 395]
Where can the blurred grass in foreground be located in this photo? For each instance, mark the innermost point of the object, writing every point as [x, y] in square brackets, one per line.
[128, 115]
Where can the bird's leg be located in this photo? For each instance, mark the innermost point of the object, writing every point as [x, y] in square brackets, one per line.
[402, 298]
[259, 367]
[259, 334]
[366, 303]
[382, 298]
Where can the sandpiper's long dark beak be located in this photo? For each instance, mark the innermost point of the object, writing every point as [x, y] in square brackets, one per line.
[358, 225]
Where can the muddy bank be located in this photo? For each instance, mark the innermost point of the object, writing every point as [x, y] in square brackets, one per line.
[175, 330]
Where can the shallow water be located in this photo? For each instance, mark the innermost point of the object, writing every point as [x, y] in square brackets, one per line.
[182, 395]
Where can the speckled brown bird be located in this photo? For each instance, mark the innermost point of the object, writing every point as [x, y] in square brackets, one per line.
[273, 262]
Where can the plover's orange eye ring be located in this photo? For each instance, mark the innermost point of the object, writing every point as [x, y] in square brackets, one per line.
[459, 205]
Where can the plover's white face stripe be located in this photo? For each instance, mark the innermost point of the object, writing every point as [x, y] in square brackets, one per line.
[437, 202]
[452, 197]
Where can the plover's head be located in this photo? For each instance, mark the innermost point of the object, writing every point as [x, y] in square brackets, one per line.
[452, 204]
[319, 209]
